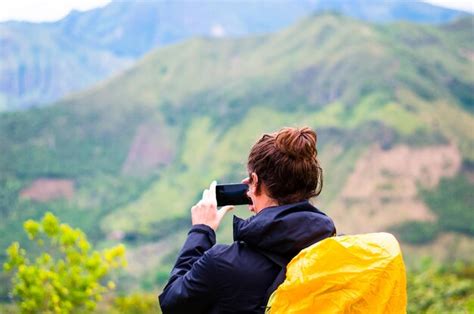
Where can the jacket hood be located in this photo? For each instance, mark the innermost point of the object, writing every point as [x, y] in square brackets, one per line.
[284, 230]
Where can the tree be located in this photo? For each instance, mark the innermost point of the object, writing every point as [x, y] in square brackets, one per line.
[67, 275]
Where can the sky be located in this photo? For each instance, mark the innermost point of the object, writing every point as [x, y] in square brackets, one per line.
[52, 10]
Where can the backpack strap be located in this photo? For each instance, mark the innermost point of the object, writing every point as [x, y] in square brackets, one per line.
[280, 261]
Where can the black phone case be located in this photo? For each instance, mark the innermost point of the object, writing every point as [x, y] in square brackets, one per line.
[232, 194]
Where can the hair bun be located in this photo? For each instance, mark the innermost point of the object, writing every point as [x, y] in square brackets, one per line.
[297, 143]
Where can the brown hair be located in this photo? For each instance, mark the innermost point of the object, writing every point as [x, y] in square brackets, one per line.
[286, 163]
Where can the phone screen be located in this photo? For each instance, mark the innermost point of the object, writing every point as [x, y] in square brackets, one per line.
[232, 194]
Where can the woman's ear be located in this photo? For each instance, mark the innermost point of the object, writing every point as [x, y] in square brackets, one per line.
[255, 183]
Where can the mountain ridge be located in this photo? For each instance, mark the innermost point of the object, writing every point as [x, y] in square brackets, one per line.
[37, 69]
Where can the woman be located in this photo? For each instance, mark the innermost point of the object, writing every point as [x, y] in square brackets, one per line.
[284, 173]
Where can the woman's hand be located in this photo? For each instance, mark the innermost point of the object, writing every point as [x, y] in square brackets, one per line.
[205, 211]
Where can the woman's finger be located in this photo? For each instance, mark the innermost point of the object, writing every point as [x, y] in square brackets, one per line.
[212, 191]
[224, 210]
[205, 194]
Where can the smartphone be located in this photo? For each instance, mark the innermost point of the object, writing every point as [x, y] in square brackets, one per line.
[232, 194]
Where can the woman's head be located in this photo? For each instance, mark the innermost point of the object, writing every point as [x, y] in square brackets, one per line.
[285, 165]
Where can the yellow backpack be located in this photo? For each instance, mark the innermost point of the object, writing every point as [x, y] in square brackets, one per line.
[345, 274]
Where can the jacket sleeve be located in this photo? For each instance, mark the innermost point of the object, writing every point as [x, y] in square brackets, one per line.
[191, 288]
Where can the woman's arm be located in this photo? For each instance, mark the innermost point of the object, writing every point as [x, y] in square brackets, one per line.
[191, 287]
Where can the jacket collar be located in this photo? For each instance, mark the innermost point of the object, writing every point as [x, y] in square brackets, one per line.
[284, 229]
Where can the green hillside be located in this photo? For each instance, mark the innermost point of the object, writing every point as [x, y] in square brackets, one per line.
[392, 105]
[43, 62]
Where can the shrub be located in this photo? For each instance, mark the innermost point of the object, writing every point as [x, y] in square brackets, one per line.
[137, 303]
[66, 275]
[440, 290]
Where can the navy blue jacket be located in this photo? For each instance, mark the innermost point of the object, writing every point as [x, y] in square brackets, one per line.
[210, 278]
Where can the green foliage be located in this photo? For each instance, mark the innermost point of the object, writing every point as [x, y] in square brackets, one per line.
[137, 303]
[66, 276]
[95, 197]
[8, 308]
[9, 189]
[416, 232]
[60, 142]
[440, 290]
[453, 201]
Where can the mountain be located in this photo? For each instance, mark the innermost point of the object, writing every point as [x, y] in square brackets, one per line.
[125, 160]
[42, 62]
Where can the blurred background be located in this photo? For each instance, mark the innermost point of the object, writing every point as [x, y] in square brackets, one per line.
[115, 115]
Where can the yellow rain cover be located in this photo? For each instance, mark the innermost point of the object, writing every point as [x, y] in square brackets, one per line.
[345, 274]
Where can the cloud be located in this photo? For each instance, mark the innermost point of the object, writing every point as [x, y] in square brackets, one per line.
[52, 10]
[463, 5]
[44, 10]
[218, 30]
